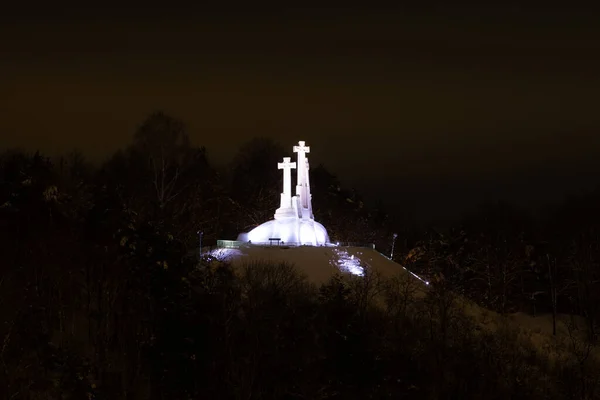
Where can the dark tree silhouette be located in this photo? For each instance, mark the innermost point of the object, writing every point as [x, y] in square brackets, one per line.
[256, 182]
[99, 297]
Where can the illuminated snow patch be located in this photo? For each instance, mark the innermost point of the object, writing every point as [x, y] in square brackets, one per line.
[347, 263]
[225, 254]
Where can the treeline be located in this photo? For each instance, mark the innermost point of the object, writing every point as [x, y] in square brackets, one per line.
[101, 294]
[509, 262]
[83, 249]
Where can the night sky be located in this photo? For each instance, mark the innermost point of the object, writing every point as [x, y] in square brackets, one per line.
[432, 109]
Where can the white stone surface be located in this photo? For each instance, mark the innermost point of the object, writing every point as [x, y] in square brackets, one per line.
[293, 221]
[301, 181]
[291, 231]
[285, 209]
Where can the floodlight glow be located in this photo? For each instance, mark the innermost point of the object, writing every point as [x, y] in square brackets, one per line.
[224, 254]
[347, 263]
[290, 230]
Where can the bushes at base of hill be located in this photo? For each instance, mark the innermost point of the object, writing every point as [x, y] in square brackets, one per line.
[268, 333]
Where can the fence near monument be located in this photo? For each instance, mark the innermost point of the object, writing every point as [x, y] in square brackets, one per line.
[229, 244]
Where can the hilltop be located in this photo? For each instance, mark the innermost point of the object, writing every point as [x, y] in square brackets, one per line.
[320, 264]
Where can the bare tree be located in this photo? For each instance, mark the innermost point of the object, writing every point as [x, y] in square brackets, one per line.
[581, 349]
[400, 292]
[163, 141]
[584, 261]
[255, 181]
[366, 289]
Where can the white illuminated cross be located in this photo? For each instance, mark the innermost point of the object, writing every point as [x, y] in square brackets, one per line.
[287, 166]
[301, 183]
[301, 148]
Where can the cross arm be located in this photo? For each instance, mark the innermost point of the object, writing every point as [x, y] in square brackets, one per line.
[286, 165]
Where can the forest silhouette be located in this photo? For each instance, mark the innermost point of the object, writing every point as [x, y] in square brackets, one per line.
[103, 296]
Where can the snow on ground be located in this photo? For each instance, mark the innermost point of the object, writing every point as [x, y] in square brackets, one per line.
[319, 264]
[542, 323]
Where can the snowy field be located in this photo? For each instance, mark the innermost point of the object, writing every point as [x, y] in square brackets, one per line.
[319, 264]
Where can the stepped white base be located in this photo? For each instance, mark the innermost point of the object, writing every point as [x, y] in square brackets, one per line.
[293, 231]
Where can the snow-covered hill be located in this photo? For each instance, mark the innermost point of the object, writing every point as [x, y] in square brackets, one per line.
[319, 264]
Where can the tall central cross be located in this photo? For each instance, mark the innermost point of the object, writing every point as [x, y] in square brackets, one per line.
[302, 184]
[287, 167]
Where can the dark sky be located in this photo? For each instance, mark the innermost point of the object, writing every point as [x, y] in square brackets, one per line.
[435, 109]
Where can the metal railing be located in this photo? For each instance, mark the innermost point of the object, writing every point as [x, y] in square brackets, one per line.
[229, 244]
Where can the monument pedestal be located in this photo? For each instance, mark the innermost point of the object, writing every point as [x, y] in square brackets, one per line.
[284, 213]
[291, 231]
